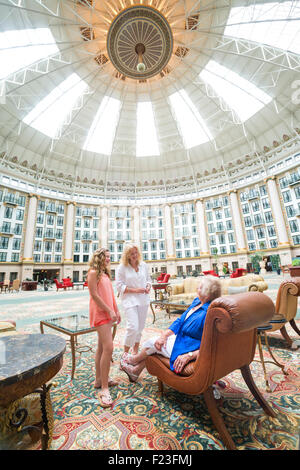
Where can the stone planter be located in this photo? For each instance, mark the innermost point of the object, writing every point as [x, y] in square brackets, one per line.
[294, 271]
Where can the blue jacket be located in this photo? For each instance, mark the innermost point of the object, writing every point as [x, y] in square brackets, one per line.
[188, 333]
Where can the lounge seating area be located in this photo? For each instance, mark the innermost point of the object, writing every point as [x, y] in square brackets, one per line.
[210, 388]
[185, 291]
[65, 284]
[238, 273]
[10, 286]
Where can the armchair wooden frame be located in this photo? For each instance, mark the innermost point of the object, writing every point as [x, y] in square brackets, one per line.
[228, 343]
[286, 307]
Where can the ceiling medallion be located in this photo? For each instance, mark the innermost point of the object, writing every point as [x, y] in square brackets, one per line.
[140, 42]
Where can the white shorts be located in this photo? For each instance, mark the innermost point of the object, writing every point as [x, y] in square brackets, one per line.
[165, 351]
[136, 320]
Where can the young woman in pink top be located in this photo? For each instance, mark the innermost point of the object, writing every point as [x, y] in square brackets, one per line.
[103, 312]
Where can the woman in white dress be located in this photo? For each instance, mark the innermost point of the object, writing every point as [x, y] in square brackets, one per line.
[133, 284]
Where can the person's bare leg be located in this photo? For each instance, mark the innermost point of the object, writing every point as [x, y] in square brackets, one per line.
[105, 337]
[126, 349]
[136, 348]
[97, 363]
[139, 368]
[137, 358]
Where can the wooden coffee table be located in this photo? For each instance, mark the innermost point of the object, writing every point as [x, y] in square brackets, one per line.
[73, 326]
[168, 306]
[27, 363]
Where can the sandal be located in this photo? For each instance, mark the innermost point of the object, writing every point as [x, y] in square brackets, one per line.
[111, 383]
[105, 399]
[123, 359]
[128, 369]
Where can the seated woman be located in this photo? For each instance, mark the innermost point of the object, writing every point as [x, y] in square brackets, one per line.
[180, 342]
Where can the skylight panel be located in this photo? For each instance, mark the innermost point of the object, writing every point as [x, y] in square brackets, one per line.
[193, 128]
[50, 113]
[242, 96]
[276, 24]
[146, 137]
[20, 48]
[102, 132]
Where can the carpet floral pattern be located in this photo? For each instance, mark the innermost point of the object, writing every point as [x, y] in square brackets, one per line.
[141, 419]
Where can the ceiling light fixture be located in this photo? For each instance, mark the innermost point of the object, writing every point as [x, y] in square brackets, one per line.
[140, 50]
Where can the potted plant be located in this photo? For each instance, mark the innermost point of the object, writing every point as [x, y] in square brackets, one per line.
[295, 268]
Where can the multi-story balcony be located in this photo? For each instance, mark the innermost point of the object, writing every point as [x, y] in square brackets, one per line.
[150, 213]
[87, 213]
[120, 214]
[49, 234]
[258, 221]
[86, 237]
[294, 179]
[152, 235]
[12, 200]
[217, 204]
[185, 233]
[18, 229]
[51, 208]
[6, 229]
[220, 228]
[252, 195]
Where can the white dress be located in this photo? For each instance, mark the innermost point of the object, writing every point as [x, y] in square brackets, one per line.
[134, 305]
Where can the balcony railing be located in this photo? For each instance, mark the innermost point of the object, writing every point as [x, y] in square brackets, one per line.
[87, 213]
[294, 180]
[49, 234]
[51, 208]
[258, 222]
[86, 237]
[13, 200]
[7, 230]
[253, 195]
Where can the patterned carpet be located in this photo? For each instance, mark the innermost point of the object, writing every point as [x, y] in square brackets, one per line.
[139, 418]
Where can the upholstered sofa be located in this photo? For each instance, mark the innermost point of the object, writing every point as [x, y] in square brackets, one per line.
[7, 327]
[186, 291]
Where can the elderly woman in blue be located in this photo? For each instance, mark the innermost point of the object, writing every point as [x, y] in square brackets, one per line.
[181, 341]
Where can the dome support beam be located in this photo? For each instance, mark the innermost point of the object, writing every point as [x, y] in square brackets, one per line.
[250, 49]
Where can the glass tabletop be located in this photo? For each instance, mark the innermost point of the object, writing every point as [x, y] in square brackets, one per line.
[72, 323]
[167, 302]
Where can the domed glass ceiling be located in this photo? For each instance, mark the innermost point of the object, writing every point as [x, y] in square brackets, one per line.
[230, 62]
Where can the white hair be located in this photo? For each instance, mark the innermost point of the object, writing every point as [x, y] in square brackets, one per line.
[211, 287]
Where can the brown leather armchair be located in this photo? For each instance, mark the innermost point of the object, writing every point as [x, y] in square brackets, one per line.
[228, 343]
[286, 307]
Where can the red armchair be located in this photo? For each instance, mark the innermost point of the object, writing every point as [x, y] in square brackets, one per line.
[67, 282]
[161, 284]
[59, 285]
[160, 277]
[210, 273]
[166, 278]
[238, 273]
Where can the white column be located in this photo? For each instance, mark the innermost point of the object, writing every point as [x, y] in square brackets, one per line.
[202, 227]
[237, 220]
[68, 257]
[30, 228]
[283, 238]
[169, 232]
[136, 226]
[103, 235]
